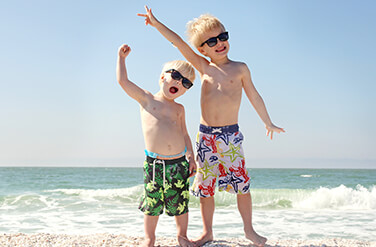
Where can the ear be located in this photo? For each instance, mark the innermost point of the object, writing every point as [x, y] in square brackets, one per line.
[202, 50]
[161, 80]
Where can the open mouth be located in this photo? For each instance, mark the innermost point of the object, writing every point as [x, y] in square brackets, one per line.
[173, 90]
[221, 49]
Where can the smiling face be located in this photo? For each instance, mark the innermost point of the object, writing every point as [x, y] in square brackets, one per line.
[220, 50]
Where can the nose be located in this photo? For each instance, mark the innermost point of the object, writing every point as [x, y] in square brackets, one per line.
[178, 81]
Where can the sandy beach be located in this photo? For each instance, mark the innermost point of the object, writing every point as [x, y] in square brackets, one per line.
[46, 240]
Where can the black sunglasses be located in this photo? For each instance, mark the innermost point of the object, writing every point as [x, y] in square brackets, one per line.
[213, 41]
[177, 76]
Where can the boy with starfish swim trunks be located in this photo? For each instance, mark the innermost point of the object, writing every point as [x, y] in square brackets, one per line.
[219, 143]
[168, 146]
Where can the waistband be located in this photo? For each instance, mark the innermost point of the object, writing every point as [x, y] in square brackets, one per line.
[167, 162]
[161, 156]
[229, 129]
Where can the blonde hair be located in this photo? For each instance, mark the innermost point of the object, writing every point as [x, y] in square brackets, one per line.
[184, 67]
[198, 26]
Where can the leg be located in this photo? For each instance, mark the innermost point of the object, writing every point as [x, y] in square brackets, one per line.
[150, 224]
[245, 209]
[207, 212]
[182, 226]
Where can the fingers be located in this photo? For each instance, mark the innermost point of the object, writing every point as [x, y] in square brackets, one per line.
[271, 134]
[192, 171]
[124, 49]
[271, 130]
[148, 11]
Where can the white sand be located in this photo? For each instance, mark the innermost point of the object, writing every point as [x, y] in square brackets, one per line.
[104, 240]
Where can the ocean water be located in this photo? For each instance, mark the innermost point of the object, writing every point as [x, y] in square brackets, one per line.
[287, 203]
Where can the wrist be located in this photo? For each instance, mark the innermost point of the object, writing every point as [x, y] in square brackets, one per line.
[189, 156]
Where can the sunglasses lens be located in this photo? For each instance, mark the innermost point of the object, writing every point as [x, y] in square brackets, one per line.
[223, 36]
[176, 75]
[211, 42]
[186, 83]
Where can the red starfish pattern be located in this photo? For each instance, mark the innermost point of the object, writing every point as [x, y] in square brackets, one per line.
[210, 141]
[222, 170]
[241, 171]
[208, 190]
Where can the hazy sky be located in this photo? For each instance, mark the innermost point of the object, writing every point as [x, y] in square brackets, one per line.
[313, 62]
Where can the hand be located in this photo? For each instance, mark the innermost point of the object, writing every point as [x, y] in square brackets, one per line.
[124, 51]
[192, 168]
[149, 17]
[271, 129]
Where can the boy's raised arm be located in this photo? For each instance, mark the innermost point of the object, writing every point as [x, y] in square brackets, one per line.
[197, 61]
[129, 87]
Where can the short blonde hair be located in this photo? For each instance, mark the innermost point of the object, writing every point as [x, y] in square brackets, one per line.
[198, 26]
[184, 67]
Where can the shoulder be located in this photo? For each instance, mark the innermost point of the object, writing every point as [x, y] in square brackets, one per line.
[179, 109]
[147, 99]
[179, 106]
[240, 66]
[241, 69]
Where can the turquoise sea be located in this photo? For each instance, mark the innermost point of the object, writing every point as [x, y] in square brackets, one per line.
[287, 203]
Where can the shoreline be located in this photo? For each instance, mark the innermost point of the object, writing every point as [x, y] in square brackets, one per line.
[105, 239]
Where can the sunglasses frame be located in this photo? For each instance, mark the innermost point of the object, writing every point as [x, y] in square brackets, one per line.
[176, 75]
[215, 39]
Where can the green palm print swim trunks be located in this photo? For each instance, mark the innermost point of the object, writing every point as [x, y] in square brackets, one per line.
[165, 187]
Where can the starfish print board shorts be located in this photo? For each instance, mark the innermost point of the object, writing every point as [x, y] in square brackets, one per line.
[220, 156]
[166, 185]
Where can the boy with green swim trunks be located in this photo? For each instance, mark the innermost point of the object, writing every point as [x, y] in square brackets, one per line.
[219, 151]
[168, 146]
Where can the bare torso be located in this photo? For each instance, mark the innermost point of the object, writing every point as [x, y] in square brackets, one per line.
[162, 126]
[221, 94]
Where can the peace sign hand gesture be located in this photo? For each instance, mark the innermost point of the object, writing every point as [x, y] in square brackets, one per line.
[149, 17]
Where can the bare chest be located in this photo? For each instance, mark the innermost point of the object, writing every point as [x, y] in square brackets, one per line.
[221, 87]
[157, 112]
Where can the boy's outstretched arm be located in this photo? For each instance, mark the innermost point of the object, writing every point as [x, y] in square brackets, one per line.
[257, 102]
[121, 73]
[197, 61]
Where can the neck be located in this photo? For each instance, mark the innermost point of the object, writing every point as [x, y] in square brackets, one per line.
[221, 61]
[162, 96]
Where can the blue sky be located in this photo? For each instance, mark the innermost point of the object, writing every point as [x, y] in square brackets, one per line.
[313, 62]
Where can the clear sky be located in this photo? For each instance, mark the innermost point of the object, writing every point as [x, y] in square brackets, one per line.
[313, 62]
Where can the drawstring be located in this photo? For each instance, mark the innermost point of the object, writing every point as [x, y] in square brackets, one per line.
[164, 172]
[154, 171]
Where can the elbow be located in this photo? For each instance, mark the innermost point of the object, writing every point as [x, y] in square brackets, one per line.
[121, 81]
